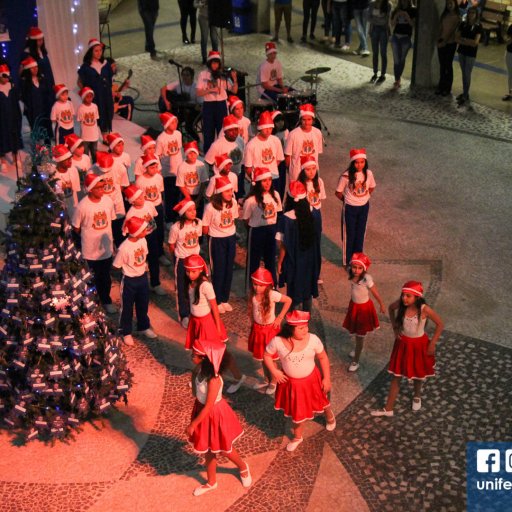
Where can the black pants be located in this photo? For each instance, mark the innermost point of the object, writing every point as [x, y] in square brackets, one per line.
[102, 279]
[149, 19]
[446, 55]
[309, 7]
[187, 9]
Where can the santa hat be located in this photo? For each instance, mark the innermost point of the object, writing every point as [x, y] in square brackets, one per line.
[195, 262]
[94, 42]
[307, 110]
[307, 161]
[362, 259]
[59, 89]
[72, 141]
[91, 180]
[29, 63]
[35, 33]
[191, 147]
[270, 48]
[146, 141]
[213, 55]
[113, 139]
[134, 226]
[166, 119]
[260, 174]
[148, 160]
[132, 192]
[233, 101]
[4, 70]
[60, 152]
[275, 113]
[265, 120]
[183, 206]
[297, 190]
[84, 91]
[230, 122]
[262, 276]
[222, 183]
[413, 287]
[357, 153]
[297, 317]
[212, 349]
[104, 161]
[222, 160]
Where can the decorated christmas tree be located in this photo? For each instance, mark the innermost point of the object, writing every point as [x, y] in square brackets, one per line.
[60, 360]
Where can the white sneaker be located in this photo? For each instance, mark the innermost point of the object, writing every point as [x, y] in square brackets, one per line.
[227, 307]
[221, 308]
[128, 340]
[365, 53]
[353, 367]
[110, 309]
[158, 290]
[236, 385]
[381, 412]
[163, 260]
[184, 322]
[149, 333]
[345, 48]
[416, 404]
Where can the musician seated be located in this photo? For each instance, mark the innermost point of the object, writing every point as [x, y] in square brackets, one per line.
[270, 75]
[184, 93]
[123, 104]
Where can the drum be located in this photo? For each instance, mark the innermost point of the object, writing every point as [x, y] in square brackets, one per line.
[259, 106]
[287, 102]
[305, 96]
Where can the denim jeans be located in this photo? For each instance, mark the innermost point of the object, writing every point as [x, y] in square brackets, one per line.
[340, 19]
[361, 16]
[466, 68]
[379, 37]
[206, 28]
[400, 46]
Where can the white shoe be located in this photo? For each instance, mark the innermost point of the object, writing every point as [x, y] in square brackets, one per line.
[292, 445]
[227, 307]
[382, 412]
[271, 389]
[416, 404]
[149, 333]
[365, 53]
[221, 308]
[353, 367]
[236, 385]
[128, 340]
[345, 48]
[246, 480]
[110, 309]
[184, 322]
[198, 491]
[158, 290]
[330, 425]
[163, 260]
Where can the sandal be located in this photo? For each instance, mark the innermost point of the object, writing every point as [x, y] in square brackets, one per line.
[246, 480]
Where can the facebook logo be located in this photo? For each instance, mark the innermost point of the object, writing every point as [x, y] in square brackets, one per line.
[488, 461]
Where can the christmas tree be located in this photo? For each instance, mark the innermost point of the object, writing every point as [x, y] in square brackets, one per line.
[60, 361]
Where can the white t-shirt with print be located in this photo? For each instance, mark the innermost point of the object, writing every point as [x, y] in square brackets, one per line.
[131, 257]
[83, 164]
[268, 72]
[235, 150]
[152, 186]
[359, 195]
[315, 198]
[186, 239]
[300, 143]
[88, 116]
[169, 150]
[147, 212]
[191, 176]
[264, 153]
[210, 189]
[115, 180]
[63, 113]
[256, 216]
[221, 223]
[68, 186]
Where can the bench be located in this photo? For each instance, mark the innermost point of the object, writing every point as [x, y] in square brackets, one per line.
[493, 19]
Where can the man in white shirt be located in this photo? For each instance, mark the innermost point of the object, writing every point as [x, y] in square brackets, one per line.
[270, 75]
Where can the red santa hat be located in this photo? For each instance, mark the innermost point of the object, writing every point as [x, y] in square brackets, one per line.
[4, 70]
[233, 101]
[262, 276]
[195, 262]
[183, 206]
[35, 33]
[146, 141]
[91, 180]
[297, 317]
[230, 122]
[104, 161]
[72, 141]
[191, 146]
[265, 120]
[94, 42]
[212, 349]
[113, 139]
[222, 160]
[413, 287]
[84, 91]
[148, 160]
[307, 110]
[297, 190]
[213, 55]
[167, 118]
[260, 174]
[361, 259]
[29, 63]
[357, 153]
[270, 47]
[59, 89]
[134, 226]
[222, 183]
[132, 192]
[60, 152]
[307, 161]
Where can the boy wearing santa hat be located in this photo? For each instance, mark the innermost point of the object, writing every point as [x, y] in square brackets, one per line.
[62, 113]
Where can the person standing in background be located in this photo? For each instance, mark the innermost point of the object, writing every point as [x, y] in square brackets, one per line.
[187, 9]
[148, 10]
[206, 28]
[283, 8]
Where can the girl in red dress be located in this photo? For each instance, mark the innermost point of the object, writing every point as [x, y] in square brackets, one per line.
[264, 322]
[413, 353]
[361, 316]
[214, 426]
[301, 389]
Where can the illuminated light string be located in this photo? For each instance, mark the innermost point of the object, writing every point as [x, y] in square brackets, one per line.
[75, 12]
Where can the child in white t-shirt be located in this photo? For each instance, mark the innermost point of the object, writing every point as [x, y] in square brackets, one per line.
[222, 167]
[79, 161]
[148, 148]
[88, 116]
[62, 113]
[68, 182]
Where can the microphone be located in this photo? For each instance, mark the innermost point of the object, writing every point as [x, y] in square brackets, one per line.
[174, 63]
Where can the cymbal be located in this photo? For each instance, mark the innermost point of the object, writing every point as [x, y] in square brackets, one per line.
[311, 79]
[317, 71]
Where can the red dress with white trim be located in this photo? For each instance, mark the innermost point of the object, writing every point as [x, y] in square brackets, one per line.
[262, 329]
[220, 429]
[361, 316]
[409, 357]
[301, 396]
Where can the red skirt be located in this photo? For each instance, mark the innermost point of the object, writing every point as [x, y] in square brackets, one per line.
[361, 318]
[410, 359]
[259, 338]
[203, 328]
[218, 431]
[301, 399]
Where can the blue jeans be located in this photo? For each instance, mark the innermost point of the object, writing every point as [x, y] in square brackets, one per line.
[466, 68]
[353, 229]
[400, 46]
[379, 37]
[361, 16]
[340, 19]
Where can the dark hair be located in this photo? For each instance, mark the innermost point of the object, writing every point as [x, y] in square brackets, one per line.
[33, 49]
[183, 219]
[278, 118]
[351, 274]
[305, 221]
[88, 55]
[218, 202]
[286, 331]
[264, 305]
[207, 371]
[477, 14]
[352, 173]
[400, 8]
[399, 320]
[201, 278]
[303, 179]
[446, 11]
[384, 6]
[211, 61]
[257, 192]
[188, 69]
[26, 75]
[110, 60]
